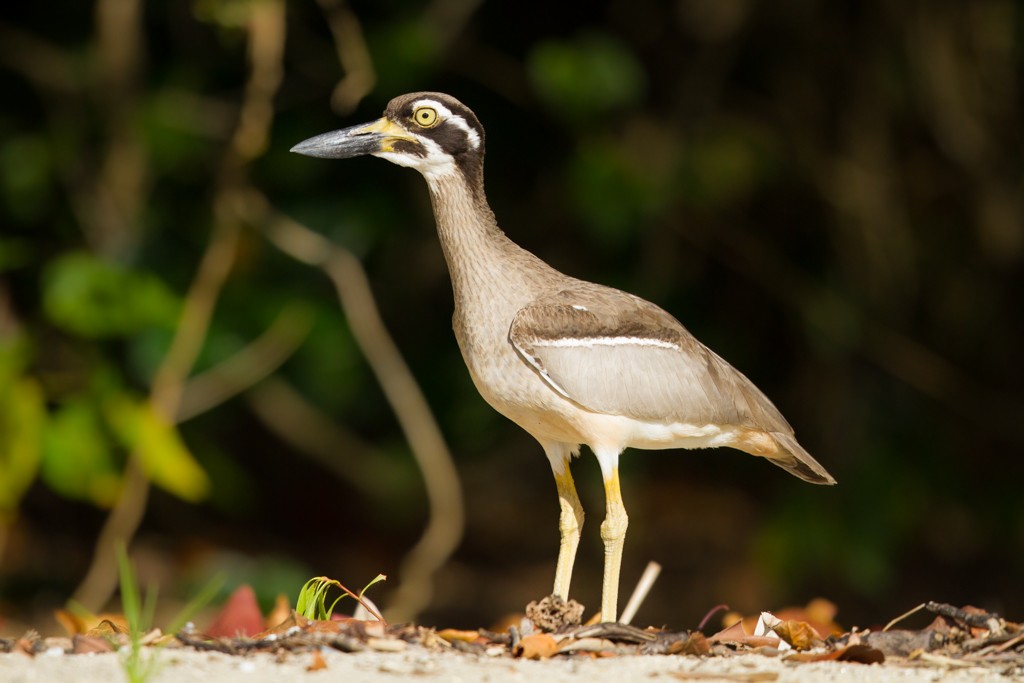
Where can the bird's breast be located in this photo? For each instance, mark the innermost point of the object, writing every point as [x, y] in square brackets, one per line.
[508, 384]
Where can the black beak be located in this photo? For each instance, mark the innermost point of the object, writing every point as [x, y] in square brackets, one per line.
[366, 138]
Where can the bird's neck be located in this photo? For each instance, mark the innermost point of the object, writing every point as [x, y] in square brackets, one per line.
[483, 262]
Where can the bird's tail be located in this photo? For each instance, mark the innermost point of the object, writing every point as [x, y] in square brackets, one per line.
[794, 459]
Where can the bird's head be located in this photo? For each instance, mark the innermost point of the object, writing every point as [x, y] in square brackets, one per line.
[431, 132]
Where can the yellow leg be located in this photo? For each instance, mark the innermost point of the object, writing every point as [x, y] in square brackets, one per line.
[570, 521]
[613, 533]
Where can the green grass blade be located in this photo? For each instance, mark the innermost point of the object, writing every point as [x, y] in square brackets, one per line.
[129, 590]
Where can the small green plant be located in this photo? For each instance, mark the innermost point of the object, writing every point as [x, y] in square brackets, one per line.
[312, 602]
[139, 666]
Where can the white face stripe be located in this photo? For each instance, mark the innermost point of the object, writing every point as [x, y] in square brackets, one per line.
[445, 114]
[607, 341]
[435, 164]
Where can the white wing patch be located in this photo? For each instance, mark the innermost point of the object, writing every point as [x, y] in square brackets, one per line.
[589, 342]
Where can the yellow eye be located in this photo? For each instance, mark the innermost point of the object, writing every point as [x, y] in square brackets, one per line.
[425, 117]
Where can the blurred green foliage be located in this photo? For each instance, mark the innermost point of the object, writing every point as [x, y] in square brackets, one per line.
[88, 297]
[830, 196]
[587, 78]
[22, 414]
[78, 460]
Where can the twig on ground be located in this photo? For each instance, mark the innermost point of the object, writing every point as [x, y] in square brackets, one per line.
[903, 616]
[643, 587]
[711, 612]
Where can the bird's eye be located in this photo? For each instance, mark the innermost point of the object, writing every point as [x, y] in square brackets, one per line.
[425, 117]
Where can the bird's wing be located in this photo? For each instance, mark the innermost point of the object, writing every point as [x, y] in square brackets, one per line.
[614, 353]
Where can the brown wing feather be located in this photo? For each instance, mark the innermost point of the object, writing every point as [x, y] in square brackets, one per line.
[666, 375]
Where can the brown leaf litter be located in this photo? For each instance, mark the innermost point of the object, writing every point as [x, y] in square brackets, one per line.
[956, 637]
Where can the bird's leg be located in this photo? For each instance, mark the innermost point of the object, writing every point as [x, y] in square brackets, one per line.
[570, 521]
[570, 518]
[613, 533]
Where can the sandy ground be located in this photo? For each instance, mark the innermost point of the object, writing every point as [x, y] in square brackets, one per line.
[421, 665]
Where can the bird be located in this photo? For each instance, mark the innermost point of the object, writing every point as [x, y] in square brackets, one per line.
[571, 362]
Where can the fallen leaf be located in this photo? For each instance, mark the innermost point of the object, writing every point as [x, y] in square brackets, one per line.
[860, 654]
[107, 628]
[333, 626]
[536, 646]
[81, 644]
[453, 634]
[738, 635]
[240, 616]
[696, 644]
[731, 632]
[70, 622]
[317, 661]
[281, 610]
[82, 623]
[766, 624]
[819, 613]
[799, 634]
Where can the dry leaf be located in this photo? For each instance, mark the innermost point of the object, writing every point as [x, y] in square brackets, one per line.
[107, 628]
[727, 636]
[696, 644]
[453, 634]
[536, 646]
[819, 613]
[731, 632]
[240, 616]
[799, 634]
[80, 624]
[317, 661]
[861, 654]
[281, 610]
[81, 644]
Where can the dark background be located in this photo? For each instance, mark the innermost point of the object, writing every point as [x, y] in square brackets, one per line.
[827, 194]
